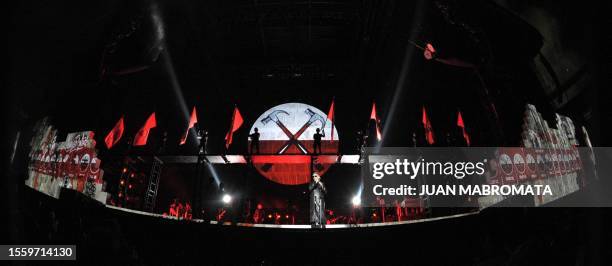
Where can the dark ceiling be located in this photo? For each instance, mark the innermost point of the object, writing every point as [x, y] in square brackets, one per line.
[87, 63]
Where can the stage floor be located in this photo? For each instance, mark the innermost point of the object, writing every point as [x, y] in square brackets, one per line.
[299, 226]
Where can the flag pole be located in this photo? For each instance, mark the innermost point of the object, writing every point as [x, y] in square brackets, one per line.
[333, 116]
[229, 132]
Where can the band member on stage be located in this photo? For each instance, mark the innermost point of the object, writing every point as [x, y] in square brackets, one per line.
[202, 138]
[179, 210]
[316, 144]
[258, 215]
[254, 141]
[360, 141]
[382, 207]
[187, 213]
[173, 208]
[317, 201]
[398, 210]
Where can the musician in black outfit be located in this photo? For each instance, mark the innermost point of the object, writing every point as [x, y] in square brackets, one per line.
[202, 136]
[317, 141]
[317, 202]
[254, 141]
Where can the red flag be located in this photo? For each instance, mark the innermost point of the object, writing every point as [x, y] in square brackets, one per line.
[374, 117]
[330, 116]
[143, 134]
[429, 136]
[192, 121]
[236, 123]
[462, 126]
[115, 134]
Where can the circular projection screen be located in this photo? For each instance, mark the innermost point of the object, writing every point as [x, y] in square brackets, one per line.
[286, 143]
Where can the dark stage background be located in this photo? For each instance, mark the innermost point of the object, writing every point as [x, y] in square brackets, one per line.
[87, 63]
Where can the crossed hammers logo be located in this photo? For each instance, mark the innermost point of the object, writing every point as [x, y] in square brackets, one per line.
[293, 138]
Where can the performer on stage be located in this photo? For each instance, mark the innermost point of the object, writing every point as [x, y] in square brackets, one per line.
[254, 141]
[258, 215]
[187, 215]
[173, 208]
[316, 144]
[317, 202]
[202, 136]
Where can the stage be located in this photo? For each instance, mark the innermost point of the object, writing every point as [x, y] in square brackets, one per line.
[297, 226]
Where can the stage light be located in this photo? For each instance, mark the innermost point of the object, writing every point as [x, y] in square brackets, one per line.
[213, 172]
[227, 198]
[403, 77]
[356, 201]
[122, 182]
[124, 170]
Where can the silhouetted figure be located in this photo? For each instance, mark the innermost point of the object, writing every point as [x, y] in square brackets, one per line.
[254, 141]
[316, 144]
[362, 141]
[202, 139]
[359, 140]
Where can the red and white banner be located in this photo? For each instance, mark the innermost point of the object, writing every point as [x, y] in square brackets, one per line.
[71, 164]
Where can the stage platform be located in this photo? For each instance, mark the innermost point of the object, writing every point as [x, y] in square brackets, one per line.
[299, 226]
[262, 158]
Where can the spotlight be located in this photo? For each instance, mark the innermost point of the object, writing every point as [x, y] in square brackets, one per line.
[356, 201]
[227, 198]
